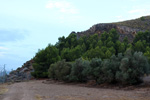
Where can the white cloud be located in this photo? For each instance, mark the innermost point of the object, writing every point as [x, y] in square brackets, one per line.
[3, 48]
[62, 6]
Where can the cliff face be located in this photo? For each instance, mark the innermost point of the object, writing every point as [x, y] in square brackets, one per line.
[122, 31]
[21, 74]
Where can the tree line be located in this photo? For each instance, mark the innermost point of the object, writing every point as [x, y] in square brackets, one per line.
[101, 58]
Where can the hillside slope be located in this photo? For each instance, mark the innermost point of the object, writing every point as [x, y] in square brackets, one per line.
[126, 28]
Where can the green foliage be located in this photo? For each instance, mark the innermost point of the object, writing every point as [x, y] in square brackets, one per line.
[71, 54]
[142, 18]
[94, 53]
[139, 46]
[107, 59]
[125, 40]
[60, 70]
[78, 71]
[95, 69]
[43, 59]
[143, 36]
[121, 48]
[147, 53]
[132, 68]
[114, 35]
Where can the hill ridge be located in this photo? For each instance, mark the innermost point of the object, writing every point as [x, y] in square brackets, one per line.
[127, 28]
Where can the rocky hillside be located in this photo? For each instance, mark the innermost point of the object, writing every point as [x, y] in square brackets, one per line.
[21, 74]
[127, 28]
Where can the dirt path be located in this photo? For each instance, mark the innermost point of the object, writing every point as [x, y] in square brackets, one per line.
[36, 90]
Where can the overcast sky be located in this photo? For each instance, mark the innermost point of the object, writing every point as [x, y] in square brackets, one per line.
[29, 25]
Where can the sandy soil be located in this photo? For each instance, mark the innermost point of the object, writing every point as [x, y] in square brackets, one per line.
[36, 90]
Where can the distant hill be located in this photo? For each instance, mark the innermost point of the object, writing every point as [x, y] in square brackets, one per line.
[127, 28]
[142, 23]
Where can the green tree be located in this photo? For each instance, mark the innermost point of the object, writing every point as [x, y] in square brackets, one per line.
[114, 35]
[110, 44]
[94, 53]
[139, 46]
[122, 48]
[108, 54]
[147, 53]
[43, 59]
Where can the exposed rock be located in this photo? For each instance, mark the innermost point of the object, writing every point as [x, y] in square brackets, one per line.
[100, 28]
[21, 74]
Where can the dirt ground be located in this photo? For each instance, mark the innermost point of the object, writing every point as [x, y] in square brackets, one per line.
[37, 90]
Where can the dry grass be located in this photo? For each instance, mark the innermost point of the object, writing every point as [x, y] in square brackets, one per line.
[39, 97]
[3, 89]
[137, 23]
[69, 98]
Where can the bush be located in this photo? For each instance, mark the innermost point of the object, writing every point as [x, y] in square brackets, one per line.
[142, 19]
[95, 68]
[79, 71]
[132, 68]
[60, 70]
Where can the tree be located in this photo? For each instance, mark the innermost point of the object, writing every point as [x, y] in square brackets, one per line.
[71, 54]
[139, 46]
[121, 48]
[125, 40]
[114, 35]
[100, 44]
[43, 59]
[110, 44]
[94, 53]
[143, 36]
[147, 53]
[61, 43]
[108, 54]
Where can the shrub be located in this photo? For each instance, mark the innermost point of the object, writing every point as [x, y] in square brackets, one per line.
[95, 68]
[142, 19]
[132, 68]
[60, 70]
[79, 71]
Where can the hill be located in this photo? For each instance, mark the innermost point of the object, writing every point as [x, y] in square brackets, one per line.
[142, 23]
[126, 28]
[85, 56]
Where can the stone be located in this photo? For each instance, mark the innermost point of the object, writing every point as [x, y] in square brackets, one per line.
[122, 30]
[21, 74]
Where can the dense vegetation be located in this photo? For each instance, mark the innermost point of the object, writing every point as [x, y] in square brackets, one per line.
[101, 58]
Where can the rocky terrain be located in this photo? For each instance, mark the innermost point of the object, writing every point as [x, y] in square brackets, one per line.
[126, 28]
[122, 30]
[21, 74]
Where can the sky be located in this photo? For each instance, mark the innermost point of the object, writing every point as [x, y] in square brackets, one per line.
[29, 25]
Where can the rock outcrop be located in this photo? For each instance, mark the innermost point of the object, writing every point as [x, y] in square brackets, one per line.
[100, 28]
[21, 74]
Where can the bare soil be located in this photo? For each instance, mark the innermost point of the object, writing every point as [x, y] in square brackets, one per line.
[38, 90]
